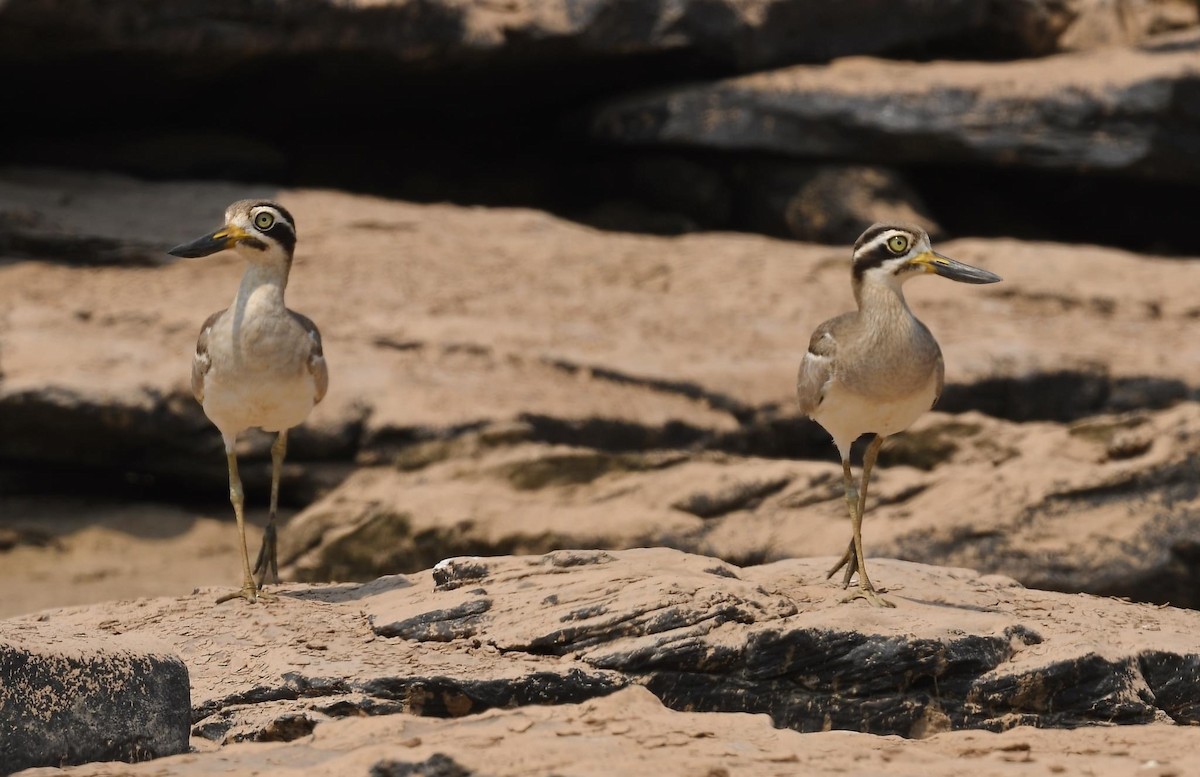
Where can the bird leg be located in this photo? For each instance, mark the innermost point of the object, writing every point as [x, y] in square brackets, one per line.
[852, 502]
[865, 588]
[267, 558]
[249, 590]
[868, 465]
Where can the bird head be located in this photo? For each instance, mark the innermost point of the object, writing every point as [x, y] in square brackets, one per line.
[260, 230]
[893, 253]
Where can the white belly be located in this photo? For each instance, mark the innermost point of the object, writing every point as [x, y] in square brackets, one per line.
[847, 416]
[271, 403]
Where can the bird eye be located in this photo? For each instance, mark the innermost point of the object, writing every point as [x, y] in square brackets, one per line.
[264, 220]
[898, 244]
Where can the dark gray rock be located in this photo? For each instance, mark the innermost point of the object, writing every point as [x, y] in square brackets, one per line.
[436, 34]
[153, 441]
[69, 700]
[24, 233]
[1061, 395]
[823, 203]
[90, 219]
[819, 203]
[1130, 111]
[667, 621]
[436, 765]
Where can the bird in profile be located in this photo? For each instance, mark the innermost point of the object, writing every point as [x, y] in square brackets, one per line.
[257, 363]
[877, 369]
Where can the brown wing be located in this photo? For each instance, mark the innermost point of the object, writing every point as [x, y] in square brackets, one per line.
[316, 356]
[202, 360]
[939, 367]
[941, 380]
[816, 369]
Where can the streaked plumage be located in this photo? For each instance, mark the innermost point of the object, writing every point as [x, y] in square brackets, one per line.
[257, 363]
[877, 369]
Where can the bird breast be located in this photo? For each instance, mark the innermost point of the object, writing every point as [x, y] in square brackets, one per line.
[258, 337]
[258, 373]
[897, 359]
[276, 346]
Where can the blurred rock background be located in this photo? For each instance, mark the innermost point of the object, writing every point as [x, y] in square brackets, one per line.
[566, 255]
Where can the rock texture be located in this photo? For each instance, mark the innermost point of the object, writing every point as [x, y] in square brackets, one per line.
[478, 634]
[506, 382]
[67, 697]
[441, 33]
[630, 732]
[823, 203]
[1127, 111]
[1106, 505]
[430, 74]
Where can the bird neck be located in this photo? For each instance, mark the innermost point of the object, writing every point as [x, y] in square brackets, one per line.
[263, 283]
[881, 300]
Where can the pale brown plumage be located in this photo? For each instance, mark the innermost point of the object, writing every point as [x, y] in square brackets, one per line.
[817, 374]
[316, 366]
[257, 363]
[876, 369]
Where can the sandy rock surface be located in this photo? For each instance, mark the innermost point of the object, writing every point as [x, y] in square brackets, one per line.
[582, 630]
[504, 381]
[1103, 505]
[643, 398]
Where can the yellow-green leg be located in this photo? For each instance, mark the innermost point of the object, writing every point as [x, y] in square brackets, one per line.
[866, 590]
[856, 501]
[852, 503]
[267, 557]
[249, 590]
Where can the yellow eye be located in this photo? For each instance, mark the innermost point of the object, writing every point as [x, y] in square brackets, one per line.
[264, 220]
[898, 244]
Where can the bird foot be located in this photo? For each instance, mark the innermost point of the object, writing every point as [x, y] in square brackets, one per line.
[250, 592]
[871, 595]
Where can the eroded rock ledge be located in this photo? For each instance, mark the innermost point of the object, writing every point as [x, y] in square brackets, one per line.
[68, 699]
[960, 650]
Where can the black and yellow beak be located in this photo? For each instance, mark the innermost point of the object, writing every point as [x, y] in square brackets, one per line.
[931, 261]
[225, 237]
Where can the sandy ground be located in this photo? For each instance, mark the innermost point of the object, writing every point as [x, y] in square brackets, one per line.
[83, 551]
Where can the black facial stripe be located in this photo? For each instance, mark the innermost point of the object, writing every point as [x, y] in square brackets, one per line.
[255, 243]
[283, 234]
[282, 229]
[871, 259]
[872, 233]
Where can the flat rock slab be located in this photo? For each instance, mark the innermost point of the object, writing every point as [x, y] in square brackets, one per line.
[70, 697]
[631, 733]
[959, 651]
[1107, 505]
[1098, 111]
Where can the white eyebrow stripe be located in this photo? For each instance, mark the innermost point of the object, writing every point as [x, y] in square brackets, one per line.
[867, 248]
